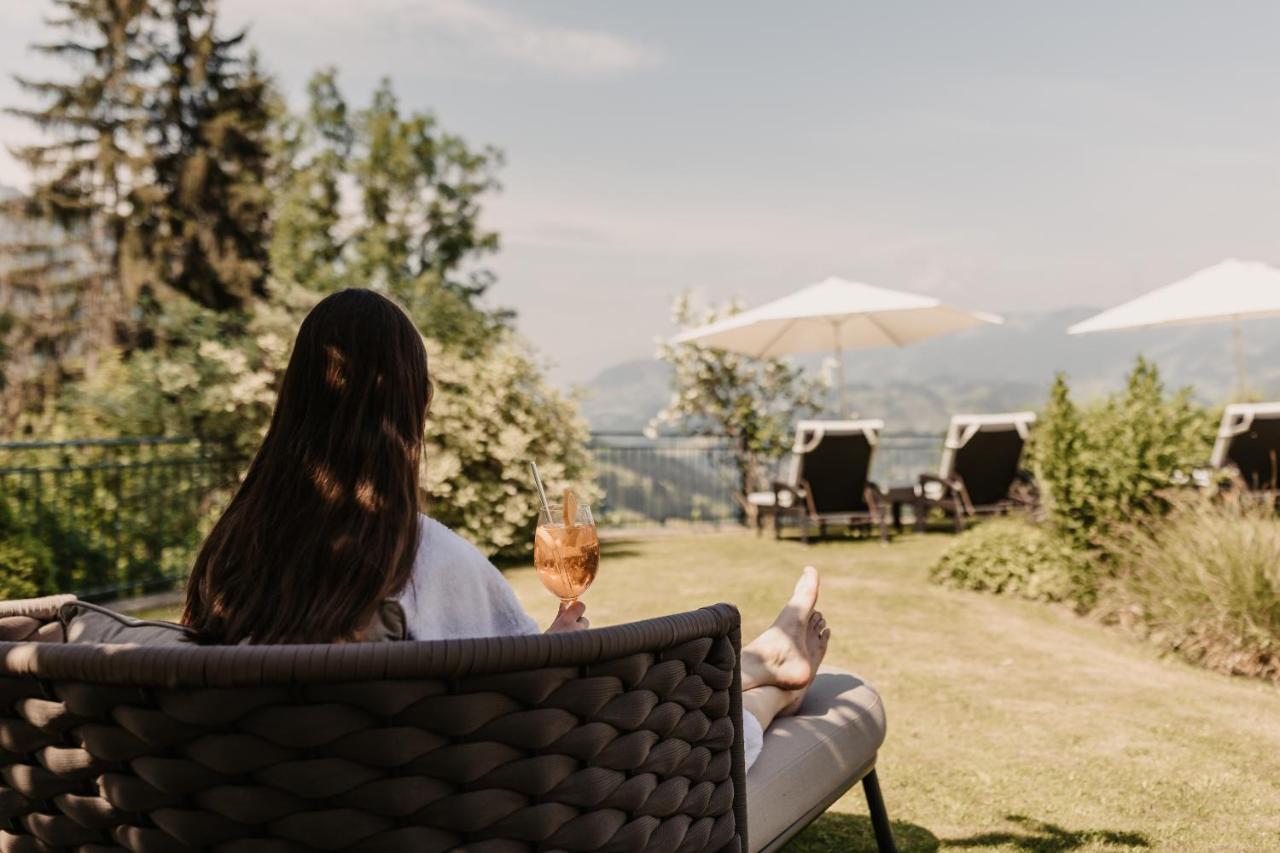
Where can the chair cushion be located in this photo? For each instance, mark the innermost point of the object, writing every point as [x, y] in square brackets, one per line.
[769, 499]
[89, 623]
[932, 490]
[810, 758]
[388, 624]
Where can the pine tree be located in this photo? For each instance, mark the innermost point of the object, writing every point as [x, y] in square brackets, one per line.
[204, 226]
[61, 250]
[51, 327]
[87, 170]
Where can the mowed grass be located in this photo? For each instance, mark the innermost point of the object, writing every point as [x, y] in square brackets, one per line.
[1012, 725]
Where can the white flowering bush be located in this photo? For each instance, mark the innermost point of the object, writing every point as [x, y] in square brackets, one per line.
[491, 415]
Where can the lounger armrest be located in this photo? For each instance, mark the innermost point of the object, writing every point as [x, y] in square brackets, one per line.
[949, 487]
[780, 488]
[873, 496]
[952, 488]
[1024, 490]
[797, 497]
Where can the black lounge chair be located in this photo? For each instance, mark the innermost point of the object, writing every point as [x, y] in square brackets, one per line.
[981, 470]
[626, 738]
[1248, 447]
[827, 484]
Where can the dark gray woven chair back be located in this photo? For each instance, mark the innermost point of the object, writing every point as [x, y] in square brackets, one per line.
[625, 738]
[1256, 453]
[836, 471]
[989, 463]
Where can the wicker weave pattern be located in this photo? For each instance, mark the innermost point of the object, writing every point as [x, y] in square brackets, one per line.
[626, 738]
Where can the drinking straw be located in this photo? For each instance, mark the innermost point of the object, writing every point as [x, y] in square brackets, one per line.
[542, 493]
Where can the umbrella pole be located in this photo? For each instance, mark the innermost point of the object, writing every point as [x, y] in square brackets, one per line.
[839, 354]
[844, 405]
[1242, 379]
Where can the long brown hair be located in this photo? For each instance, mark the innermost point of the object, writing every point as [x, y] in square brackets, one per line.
[325, 524]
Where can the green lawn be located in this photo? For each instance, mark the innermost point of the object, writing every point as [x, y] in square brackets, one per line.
[1012, 726]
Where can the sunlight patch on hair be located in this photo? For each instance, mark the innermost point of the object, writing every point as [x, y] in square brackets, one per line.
[326, 484]
[335, 368]
[367, 496]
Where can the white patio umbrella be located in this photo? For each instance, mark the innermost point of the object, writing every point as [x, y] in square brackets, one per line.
[835, 316]
[1225, 292]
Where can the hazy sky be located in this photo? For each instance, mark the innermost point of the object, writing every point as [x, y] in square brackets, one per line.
[1002, 155]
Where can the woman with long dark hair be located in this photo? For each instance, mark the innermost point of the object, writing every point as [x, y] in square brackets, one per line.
[326, 526]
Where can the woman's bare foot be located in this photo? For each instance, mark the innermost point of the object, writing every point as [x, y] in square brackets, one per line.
[768, 702]
[782, 656]
[818, 639]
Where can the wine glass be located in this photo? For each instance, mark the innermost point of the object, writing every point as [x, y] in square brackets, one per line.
[566, 549]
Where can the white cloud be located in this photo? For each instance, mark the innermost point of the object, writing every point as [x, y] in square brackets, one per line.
[478, 27]
[579, 51]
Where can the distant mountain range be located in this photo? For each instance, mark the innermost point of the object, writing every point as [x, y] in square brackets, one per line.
[991, 369]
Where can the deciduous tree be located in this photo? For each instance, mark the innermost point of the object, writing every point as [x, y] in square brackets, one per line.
[752, 402]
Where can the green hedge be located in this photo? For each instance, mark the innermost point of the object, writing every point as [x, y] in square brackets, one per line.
[1011, 556]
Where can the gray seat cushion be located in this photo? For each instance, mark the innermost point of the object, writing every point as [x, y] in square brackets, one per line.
[810, 759]
[83, 622]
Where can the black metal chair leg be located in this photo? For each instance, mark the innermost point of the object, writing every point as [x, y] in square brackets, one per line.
[879, 817]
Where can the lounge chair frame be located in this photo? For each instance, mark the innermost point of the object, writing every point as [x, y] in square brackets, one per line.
[952, 494]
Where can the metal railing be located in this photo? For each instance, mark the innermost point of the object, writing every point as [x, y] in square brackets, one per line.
[107, 518]
[647, 481]
[658, 481]
[902, 457]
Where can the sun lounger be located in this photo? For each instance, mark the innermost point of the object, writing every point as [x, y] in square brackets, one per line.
[827, 484]
[1248, 445]
[981, 472]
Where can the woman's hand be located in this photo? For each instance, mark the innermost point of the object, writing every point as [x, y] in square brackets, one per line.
[570, 618]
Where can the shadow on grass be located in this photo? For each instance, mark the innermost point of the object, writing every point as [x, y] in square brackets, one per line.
[1041, 837]
[849, 833]
[615, 549]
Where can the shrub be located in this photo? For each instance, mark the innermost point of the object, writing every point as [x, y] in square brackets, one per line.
[1113, 461]
[491, 415]
[1204, 582]
[1012, 557]
[24, 562]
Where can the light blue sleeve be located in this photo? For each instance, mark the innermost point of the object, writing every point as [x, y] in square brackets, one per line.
[455, 592]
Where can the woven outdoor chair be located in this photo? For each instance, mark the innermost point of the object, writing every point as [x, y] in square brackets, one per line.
[623, 738]
[981, 470]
